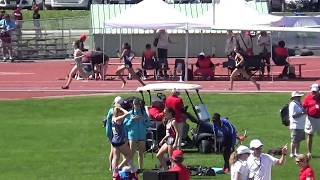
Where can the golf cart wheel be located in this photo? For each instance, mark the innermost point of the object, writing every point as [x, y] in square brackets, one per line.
[205, 146]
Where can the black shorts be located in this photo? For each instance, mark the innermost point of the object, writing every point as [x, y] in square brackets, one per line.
[117, 144]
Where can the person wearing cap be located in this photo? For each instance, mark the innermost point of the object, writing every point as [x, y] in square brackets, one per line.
[106, 122]
[175, 102]
[205, 68]
[136, 124]
[177, 166]
[238, 162]
[260, 164]
[156, 114]
[311, 104]
[227, 135]
[6, 27]
[306, 171]
[297, 117]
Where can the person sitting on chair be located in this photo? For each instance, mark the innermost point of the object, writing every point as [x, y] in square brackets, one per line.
[177, 166]
[148, 60]
[205, 66]
[280, 57]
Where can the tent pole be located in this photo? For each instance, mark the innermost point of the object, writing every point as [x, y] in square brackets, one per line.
[186, 56]
[213, 12]
[271, 56]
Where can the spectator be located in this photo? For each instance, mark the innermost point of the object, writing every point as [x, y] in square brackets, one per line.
[127, 55]
[137, 124]
[227, 135]
[162, 47]
[177, 166]
[18, 20]
[231, 43]
[264, 45]
[238, 162]
[260, 164]
[280, 58]
[176, 103]
[311, 104]
[156, 114]
[205, 66]
[7, 26]
[156, 110]
[82, 39]
[107, 123]
[36, 20]
[118, 140]
[297, 121]
[245, 43]
[168, 143]
[148, 60]
[306, 171]
[240, 69]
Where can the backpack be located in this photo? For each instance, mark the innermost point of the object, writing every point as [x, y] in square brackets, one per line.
[284, 114]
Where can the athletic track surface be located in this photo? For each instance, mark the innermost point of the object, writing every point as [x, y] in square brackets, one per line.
[33, 79]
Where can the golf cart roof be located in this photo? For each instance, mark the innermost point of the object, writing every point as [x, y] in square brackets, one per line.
[168, 86]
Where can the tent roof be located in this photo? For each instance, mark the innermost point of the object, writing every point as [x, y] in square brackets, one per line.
[149, 14]
[233, 14]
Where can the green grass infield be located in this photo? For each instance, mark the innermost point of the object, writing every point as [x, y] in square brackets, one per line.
[63, 138]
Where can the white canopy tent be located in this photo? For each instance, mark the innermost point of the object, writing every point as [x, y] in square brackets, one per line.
[150, 14]
[234, 14]
[153, 14]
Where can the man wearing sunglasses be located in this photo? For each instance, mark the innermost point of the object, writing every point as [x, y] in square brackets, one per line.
[260, 164]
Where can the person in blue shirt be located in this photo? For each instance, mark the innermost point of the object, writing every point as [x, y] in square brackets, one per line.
[226, 134]
[136, 124]
[7, 26]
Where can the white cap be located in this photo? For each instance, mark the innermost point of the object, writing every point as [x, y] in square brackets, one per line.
[314, 87]
[156, 99]
[118, 100]
[202, 54]
[255, 143]
[243, 150]
[296, 94]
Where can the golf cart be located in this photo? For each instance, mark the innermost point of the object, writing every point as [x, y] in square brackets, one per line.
[203, 140]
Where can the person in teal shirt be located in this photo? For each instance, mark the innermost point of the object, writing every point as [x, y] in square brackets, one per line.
[136, 124]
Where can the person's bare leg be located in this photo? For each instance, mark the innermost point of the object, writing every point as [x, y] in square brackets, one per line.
[111, 157]
[160, 155]
[131, 71]
[133, 145]
[125, 150]
[309, 144]
[232, 76]
[119, 74]
[141, 150]
[71, 74]
[255, 83]
[293, 148]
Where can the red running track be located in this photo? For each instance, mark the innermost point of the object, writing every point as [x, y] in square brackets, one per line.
[31, 79]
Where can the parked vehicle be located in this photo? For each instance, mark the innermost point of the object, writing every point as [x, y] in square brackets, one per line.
[22, 3]
[204, 141]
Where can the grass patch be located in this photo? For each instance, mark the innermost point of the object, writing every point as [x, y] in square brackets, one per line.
[63, 138]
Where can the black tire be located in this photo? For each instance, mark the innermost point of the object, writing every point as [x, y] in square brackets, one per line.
[205, 146]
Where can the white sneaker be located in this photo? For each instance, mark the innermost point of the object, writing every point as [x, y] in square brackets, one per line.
[4, 59]
[292, 155]
[144, 78]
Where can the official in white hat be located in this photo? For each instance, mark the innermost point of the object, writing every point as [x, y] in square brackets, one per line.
[260, 164]
[297, 117]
